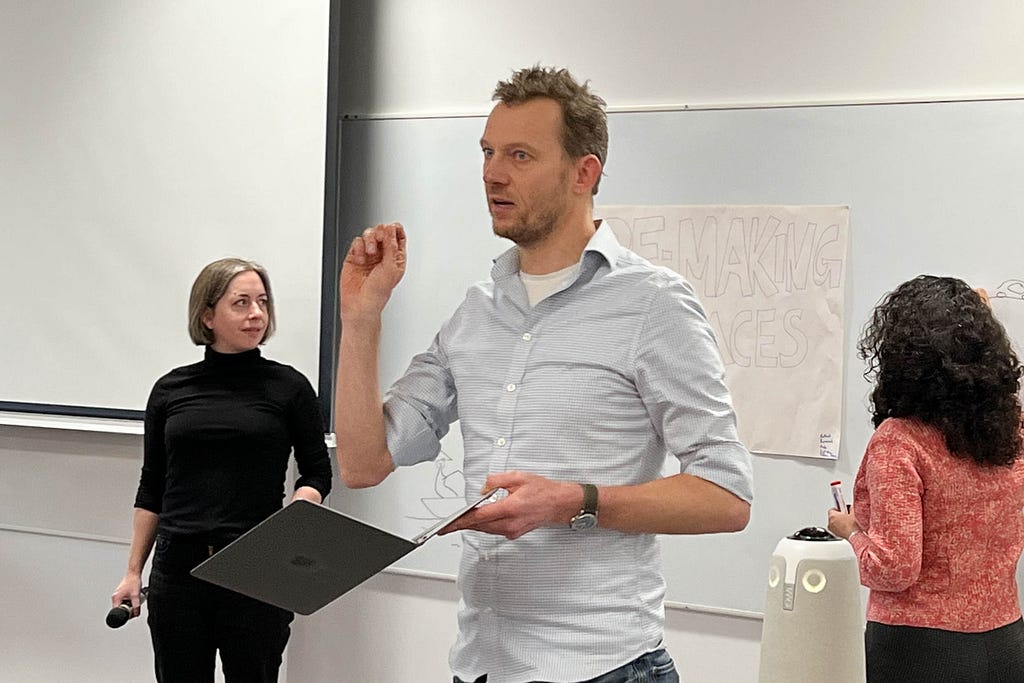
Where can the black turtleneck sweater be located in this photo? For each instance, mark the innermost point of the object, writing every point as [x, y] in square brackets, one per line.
[217, 440]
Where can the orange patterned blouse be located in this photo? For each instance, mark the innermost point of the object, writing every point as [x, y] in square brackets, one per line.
[941, 535]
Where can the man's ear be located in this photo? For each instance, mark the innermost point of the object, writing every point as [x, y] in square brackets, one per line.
[588, 172]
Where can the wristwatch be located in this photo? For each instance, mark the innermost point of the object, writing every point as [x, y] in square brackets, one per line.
[587, 517]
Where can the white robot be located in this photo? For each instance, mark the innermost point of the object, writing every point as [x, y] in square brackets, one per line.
[813, 625]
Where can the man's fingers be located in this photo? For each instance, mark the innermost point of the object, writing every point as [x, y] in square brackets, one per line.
[392, 236]
[509, 481]
[377, 238]
[370, 241]
[357, 251]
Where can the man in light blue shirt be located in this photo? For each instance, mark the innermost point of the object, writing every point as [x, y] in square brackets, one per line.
[573, 372]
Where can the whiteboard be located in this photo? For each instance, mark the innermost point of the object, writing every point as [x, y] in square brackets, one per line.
[141, 141]
[931, 188]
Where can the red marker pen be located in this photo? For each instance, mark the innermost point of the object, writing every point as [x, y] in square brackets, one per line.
[837, 496]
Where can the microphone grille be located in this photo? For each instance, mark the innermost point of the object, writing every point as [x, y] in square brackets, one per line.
[118, 617]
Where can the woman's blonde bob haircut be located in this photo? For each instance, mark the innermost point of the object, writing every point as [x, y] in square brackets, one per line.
[210, 285]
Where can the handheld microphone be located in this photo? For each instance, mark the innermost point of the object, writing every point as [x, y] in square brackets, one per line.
[119, 616]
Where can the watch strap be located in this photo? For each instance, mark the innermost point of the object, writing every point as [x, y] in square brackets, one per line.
[589, 499]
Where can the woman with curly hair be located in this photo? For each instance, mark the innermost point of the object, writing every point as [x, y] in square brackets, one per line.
[936, 523]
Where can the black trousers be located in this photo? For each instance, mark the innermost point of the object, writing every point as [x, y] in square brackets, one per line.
[190, 620]
[908, 654]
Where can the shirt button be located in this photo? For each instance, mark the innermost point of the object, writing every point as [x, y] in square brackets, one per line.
[510, 387]
[527, 336]
[500, 441]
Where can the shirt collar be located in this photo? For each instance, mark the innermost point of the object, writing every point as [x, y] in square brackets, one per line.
[603, 244]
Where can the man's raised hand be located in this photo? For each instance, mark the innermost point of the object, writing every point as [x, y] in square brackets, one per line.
[373, 267]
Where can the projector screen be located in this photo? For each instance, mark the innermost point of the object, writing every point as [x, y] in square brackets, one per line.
[141, 141]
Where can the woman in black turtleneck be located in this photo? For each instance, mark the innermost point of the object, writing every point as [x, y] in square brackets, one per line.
[218, 434]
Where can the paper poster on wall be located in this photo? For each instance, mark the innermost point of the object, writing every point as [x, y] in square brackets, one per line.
[771, 279]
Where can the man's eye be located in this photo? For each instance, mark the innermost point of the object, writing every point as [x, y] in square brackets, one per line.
[520, 155]
[488, 152]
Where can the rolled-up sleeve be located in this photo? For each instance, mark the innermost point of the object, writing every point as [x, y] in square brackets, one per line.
[681, 380]
[420, 407]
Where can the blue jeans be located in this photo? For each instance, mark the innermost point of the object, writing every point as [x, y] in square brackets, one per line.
[653, 667]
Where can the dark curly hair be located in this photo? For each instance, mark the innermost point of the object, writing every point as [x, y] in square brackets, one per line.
[936, 353]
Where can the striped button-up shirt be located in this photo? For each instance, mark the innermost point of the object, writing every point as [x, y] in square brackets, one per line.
[596, 383]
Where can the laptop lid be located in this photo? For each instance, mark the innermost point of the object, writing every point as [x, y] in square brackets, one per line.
[306, 555]
[303, 557]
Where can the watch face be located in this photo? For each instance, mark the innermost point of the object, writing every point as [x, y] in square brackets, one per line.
[584, 520]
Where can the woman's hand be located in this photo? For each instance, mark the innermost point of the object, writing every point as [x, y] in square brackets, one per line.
[129, 589]
[308, 493]
[842, 524]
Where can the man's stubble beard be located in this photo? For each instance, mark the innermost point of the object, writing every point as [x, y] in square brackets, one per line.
[530, 231]
[527, 232]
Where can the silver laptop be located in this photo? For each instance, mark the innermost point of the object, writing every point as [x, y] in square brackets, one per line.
[305, 555]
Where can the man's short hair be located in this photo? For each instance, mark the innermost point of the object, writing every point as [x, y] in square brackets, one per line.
[584, 122]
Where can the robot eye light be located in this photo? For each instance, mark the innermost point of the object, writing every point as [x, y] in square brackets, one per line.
[814, 581]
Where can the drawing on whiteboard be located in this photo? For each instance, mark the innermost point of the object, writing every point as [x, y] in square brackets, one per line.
[449, 493]
[1007, 303]
[1010, 289]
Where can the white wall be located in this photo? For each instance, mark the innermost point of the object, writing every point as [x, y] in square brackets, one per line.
[65, 509]
[434, 57]
[140, 141]
[444, 56]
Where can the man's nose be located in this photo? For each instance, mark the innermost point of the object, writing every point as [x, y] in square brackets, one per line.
[494, 171]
